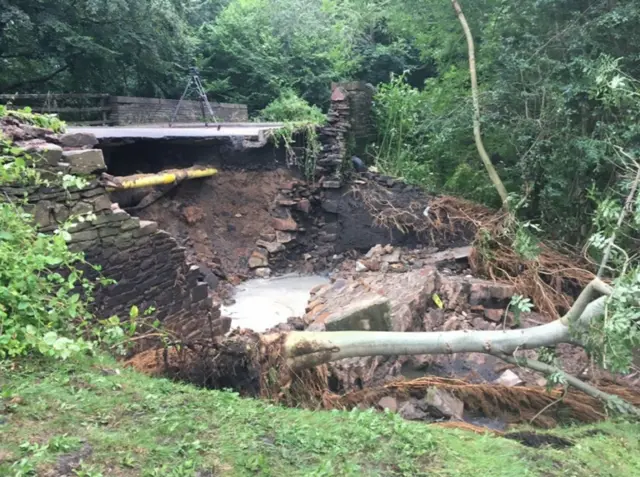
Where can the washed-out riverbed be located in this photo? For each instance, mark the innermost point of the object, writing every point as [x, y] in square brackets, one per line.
[262, 303]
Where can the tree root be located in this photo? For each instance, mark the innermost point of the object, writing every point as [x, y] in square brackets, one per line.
[612, 402]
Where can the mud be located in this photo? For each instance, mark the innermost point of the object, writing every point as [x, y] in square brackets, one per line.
[219, 219]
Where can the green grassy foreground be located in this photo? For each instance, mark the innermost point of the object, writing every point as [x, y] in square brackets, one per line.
[84, 416]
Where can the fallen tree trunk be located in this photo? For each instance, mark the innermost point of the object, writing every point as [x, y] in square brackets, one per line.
[304, 349]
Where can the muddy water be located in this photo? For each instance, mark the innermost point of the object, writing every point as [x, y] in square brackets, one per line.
[263, 303]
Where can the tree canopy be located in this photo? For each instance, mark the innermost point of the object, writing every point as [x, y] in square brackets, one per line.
[557, 79]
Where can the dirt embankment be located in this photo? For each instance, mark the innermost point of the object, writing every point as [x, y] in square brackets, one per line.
[219, 219]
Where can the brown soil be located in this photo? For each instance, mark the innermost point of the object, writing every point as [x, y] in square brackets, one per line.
[220, 218]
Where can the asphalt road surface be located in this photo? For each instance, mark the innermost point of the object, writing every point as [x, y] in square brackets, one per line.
[178, 131]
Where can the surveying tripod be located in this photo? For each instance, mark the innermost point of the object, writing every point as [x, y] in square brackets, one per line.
[194, 83]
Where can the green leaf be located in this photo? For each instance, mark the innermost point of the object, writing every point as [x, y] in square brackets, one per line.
[134, 312]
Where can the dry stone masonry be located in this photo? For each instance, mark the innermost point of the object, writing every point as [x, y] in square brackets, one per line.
[149, 266]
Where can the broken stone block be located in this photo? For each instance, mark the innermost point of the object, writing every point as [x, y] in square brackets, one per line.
[366, 314]
[147, 227]
[85, 161]
[268, 236]
[398, 267]
[442, 404]
[392, 257]
[43, 213]
[509, 378]
[373, 264]
[388, 402]
[259, 258]
[285, 225]
[483, 292]
[331, 184]
[411, 412]
[284, 237]
[264, 272]
[272, 247]
[361, 267]
[375, 251]
[87, 140]
[304, 206]
[493, 314]
[51, 154]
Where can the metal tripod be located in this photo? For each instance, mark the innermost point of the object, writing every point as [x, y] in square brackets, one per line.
[194, 83]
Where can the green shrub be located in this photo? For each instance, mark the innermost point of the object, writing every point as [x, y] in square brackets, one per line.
[44, 294]
[289, 107]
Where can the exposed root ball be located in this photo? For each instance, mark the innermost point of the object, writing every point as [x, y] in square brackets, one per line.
[550, 280]
[536, 405]
[245, 361]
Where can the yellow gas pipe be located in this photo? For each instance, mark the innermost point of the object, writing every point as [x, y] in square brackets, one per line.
[172, 176]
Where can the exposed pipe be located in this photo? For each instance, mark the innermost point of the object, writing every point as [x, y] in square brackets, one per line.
[172, 176]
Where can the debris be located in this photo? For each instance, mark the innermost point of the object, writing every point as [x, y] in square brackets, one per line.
[443, 403]
[284, 237]
[361, 267]
[411, 412]
[259, 258]
[398, 267]
[272, 247]
[285, 225]
[388, 402]
[192, 214]
[366, 314]
[304, 206]
[392, 257]
[377, 250]
[509, 379]
[264, 272]
[493, 314]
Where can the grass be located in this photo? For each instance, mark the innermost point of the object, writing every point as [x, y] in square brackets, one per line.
[100, 420]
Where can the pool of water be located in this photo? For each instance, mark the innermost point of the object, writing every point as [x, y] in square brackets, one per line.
[262, 303]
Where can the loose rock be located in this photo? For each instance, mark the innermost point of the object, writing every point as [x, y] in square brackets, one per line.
[361, 267]
[285, 225]
[271, 247]
[264, 272]
[85, 161]
[259, 258]
[78, 140]
[509, 378]
[388, 402]
[443, 404]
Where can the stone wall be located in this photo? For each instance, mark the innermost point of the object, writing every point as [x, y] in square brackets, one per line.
[148, 264]
[131, 110]
[360, 100]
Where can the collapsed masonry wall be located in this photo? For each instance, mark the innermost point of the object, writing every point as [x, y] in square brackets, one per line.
[148, 264]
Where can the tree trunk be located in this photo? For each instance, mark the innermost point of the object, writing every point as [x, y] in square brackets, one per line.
[305, 349]
[493, 174]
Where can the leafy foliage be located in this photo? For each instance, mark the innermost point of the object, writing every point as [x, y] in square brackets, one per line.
[289, 107]
[104, 46]
[45, 297]
[41, 290]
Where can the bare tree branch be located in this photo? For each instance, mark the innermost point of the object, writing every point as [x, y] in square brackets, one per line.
[493, 174]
